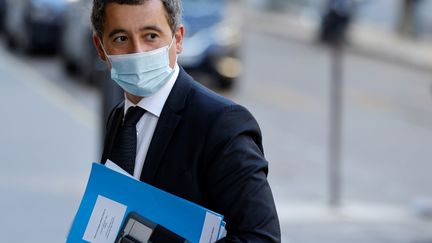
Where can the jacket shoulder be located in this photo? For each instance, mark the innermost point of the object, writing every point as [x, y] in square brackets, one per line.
[207, 101]
[118, 107]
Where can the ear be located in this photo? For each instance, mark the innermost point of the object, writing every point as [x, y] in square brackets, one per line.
[179, 35]
[97, 43]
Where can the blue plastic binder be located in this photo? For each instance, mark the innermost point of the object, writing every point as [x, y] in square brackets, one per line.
[110, 196]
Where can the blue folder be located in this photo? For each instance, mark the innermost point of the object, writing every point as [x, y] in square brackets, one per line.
[178, 215]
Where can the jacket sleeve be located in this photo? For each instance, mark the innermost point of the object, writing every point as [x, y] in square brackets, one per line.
[237, 178]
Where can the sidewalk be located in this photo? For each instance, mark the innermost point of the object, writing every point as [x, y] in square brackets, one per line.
[363, 39]
[309, 221]
[48, 141]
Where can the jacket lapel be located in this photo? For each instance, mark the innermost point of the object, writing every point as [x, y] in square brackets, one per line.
[114, 122]
[167, 123]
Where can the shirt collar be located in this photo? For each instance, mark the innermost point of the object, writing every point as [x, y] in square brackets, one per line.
[156, 101]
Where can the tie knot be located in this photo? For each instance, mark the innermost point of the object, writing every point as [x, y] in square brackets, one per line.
[133, 115]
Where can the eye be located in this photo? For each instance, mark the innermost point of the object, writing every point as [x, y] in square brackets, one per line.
[120, 39]
[152, 36]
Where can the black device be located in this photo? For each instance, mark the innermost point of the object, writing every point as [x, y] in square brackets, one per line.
[138, 229]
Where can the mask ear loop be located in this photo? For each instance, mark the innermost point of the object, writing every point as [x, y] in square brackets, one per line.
[169, 47]
[172, 41]
[106, 54]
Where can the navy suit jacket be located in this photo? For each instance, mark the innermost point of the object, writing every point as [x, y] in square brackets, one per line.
[208, 150]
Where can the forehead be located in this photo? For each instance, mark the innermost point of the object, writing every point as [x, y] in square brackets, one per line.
[135, 16]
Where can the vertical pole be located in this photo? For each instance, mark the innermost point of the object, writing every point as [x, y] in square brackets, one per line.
[406, 18]
[335, 126]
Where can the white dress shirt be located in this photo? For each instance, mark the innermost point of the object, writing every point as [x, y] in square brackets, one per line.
[147, 124]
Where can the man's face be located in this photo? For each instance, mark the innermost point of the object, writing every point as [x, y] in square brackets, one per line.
[138, 28]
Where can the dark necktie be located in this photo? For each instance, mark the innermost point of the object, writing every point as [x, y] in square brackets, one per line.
[123, 152]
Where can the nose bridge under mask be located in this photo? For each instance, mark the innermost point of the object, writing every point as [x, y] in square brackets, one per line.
[141, 62]
[141, 73]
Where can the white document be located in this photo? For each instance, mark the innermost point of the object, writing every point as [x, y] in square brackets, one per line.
[222, 231]
[113, 166]
[211, 227]
[105, 221]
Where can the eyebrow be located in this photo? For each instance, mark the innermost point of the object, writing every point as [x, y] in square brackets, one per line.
[150, 27]
[116, 31]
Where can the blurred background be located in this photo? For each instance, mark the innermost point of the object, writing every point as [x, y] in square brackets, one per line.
[340, 88]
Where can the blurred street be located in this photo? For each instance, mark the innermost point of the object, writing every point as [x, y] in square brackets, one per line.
[50, 134]
[386, 126]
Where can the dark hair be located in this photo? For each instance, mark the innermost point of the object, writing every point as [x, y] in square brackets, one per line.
[172, 7]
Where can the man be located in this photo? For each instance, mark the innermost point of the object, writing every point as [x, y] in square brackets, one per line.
[173, 133]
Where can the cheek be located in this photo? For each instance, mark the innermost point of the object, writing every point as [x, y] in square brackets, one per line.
[173, 52]
[118, 50]
[172, 56]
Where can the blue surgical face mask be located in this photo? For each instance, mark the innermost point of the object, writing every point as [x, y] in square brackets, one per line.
[142, 74]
